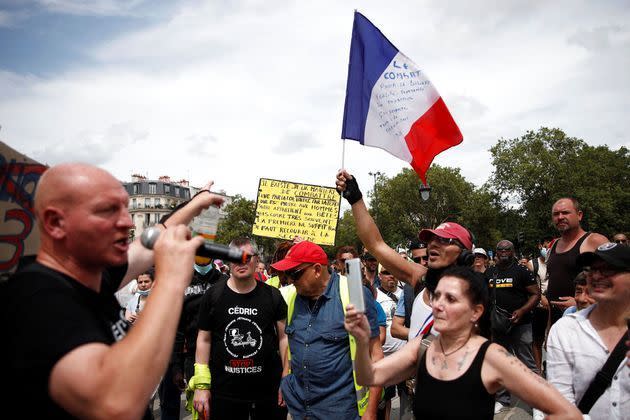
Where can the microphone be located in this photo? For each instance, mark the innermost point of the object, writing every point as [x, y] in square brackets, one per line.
[207, 249]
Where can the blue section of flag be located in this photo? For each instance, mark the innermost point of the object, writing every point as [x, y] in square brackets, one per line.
[370, 54]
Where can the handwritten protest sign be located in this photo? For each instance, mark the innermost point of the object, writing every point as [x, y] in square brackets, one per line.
[287, 209]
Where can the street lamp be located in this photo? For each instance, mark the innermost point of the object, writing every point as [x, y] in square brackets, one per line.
[425, 191]
[375, 175]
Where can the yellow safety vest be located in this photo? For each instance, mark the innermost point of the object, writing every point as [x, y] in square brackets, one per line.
[274, 282]
[362, 392]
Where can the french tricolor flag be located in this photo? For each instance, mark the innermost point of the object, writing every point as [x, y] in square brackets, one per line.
[391, 104]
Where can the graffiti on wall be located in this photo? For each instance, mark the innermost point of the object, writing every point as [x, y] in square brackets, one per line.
[19, 176]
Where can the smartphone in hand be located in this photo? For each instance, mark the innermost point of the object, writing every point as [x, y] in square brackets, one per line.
[355, 283]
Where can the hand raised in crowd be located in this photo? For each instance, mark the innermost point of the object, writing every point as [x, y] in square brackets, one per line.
[175, 254]
[356, 323]
[209, 199]
[348, 187]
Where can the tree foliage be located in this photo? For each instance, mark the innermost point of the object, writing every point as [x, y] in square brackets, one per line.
[238, 222]
[530, 173]
[346, 232]
[534, 170]
[400, 212]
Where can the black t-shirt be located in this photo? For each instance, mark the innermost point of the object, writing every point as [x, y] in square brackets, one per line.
[244, 361]
[186, 336]
[512, 283]
[49, 314]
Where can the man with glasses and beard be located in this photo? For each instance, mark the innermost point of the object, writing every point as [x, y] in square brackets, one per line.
[514, 289]
[242, 336]
[321, 383]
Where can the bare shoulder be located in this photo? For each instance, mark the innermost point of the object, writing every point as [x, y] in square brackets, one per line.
[593, 241]
[498, 356]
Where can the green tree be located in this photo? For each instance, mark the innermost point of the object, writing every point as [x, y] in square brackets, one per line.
[346, 233]
[534, 170]
[401, 213]
[238, 222]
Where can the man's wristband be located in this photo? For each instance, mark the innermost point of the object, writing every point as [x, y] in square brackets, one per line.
[352, 192]
[202, 376]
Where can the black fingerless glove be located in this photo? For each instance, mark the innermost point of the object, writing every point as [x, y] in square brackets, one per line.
[352, 192]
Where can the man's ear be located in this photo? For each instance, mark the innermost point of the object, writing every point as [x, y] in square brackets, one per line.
[53, 222]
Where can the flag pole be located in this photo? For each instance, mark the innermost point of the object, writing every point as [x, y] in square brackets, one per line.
[343, 154]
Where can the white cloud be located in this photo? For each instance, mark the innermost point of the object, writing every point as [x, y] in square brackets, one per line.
[90, 7]
[238, 90]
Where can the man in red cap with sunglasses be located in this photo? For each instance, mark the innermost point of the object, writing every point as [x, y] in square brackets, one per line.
[448, 244]
[321, 383]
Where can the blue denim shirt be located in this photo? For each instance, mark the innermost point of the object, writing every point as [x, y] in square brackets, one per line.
[321, 385]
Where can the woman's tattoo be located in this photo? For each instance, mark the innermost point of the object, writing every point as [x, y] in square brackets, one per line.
[461, 361]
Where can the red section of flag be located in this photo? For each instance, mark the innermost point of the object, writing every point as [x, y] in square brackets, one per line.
[432, 133]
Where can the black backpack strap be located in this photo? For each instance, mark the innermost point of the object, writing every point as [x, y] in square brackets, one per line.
[389, 294]
[602, 380]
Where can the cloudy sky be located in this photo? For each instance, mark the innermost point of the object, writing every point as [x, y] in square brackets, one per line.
[235, 90]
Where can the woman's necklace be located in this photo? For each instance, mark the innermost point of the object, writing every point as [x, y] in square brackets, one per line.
[445, 354]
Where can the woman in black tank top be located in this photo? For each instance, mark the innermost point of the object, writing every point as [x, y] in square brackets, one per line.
[434, 395]
[460, 371]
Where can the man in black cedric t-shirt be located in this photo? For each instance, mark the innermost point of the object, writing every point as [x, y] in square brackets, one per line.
[516, 292]
[241, 336]
[68, 352]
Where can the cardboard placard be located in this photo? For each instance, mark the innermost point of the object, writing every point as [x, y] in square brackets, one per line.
[287, 209]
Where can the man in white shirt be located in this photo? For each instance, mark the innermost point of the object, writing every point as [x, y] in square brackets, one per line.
[579, 344]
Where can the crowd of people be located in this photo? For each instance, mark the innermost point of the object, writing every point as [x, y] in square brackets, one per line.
[452, 329]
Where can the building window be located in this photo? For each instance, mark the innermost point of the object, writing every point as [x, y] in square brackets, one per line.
[152, 188]
[186, 194]
[167, 188]
[134, 203]
[176, 191]
[147, 219]
[158, 203]
[147, 202]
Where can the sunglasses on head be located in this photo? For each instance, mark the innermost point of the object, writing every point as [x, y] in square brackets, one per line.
[296, 274]
[418, 259]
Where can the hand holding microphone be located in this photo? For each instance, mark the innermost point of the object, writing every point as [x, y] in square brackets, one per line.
[207, 249]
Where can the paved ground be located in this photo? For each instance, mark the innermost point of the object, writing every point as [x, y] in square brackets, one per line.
[519, 411]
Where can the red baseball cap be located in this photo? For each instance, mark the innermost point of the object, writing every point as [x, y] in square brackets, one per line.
[303, 252]
[448, 230]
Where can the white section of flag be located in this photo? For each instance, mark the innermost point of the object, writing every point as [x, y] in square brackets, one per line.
[397, 101]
